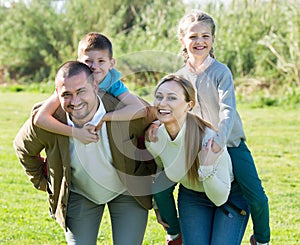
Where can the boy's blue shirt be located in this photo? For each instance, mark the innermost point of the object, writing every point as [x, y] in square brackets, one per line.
[112, 83]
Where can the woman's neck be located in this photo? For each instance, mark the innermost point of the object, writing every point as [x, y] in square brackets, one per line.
[174, 128]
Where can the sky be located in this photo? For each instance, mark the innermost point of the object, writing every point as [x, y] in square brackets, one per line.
[6, 3]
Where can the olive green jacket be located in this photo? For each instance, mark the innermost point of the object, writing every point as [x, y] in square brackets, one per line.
[123, 136]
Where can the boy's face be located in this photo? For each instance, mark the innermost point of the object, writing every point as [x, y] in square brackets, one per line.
[99, 62]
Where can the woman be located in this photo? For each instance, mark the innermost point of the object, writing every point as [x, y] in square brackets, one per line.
[211, 207]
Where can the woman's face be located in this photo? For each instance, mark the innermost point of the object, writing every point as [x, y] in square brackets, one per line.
[170, 103]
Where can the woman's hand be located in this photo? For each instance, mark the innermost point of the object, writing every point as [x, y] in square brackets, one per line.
[151, 132]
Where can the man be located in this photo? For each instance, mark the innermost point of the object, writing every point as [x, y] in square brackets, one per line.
[80, 179]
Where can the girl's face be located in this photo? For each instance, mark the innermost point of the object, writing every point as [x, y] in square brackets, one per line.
[171, 104]
[198, 40]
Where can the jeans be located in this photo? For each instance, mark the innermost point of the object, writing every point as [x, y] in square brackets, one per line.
[163, 189]
[128, 220]
[203, 223]
[246, 176]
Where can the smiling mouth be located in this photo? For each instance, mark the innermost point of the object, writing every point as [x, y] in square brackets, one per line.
[199, 47]
[164, 112]
[76, 108]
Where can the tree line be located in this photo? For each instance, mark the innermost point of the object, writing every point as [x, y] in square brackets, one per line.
[259, 40]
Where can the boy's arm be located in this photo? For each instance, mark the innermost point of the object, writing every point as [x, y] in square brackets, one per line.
[133, 109]
[44, 119]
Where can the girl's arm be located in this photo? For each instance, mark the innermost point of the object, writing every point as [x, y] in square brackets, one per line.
[44, 119]
[227, 111]
[215, 172]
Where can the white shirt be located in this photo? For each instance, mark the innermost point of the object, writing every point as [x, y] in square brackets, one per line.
[215, 180]
[92, 172]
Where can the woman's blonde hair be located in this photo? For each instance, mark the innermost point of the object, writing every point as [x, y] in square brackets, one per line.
[195, 127]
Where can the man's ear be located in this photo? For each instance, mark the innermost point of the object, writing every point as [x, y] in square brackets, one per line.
[95, 86]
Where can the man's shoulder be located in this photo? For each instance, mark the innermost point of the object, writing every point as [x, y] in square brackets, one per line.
[110, 102]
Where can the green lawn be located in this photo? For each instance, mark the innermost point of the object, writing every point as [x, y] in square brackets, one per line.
[273, 137]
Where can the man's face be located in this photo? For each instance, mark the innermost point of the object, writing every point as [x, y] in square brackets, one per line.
[78, 97]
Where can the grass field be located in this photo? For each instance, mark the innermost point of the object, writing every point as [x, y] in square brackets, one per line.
[273, 137]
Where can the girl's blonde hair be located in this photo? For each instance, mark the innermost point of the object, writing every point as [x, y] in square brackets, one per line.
[195, 127]
[194, 17]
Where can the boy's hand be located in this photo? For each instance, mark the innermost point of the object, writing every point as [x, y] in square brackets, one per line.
[99, 126]
[151, 132]
[105, 118]
[209, 153]
[87, 134]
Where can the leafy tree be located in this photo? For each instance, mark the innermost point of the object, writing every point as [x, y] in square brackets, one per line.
[30, 40]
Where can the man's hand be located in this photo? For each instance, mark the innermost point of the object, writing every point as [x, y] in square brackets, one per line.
[44, 161]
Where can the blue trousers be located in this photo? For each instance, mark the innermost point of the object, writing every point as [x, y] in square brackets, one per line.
[246, 176]
[128, 220]
[164, 198]
[203, 223]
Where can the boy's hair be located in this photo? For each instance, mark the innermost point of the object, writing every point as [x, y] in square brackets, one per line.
[94, 41]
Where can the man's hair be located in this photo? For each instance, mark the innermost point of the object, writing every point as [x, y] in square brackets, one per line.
[94, 41]
[73, 68]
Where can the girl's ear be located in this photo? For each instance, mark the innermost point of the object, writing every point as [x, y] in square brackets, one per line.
[182, 42]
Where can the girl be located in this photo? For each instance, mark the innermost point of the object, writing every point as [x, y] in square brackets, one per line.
[216, 103]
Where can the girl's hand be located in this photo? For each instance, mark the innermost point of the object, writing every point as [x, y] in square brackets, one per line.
[86, 135]
[209, 153]
[151, 132]
[159, 219]
[215, 147]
